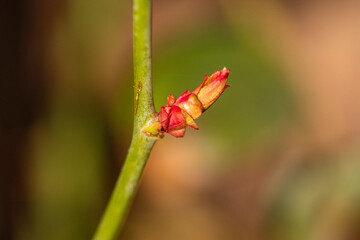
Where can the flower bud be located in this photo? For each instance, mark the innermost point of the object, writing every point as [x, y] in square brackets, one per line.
[181, 112]
[212, 87]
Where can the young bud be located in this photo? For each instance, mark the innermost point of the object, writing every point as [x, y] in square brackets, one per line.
[181, 112]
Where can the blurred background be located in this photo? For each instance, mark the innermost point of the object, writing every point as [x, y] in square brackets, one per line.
[277, 157]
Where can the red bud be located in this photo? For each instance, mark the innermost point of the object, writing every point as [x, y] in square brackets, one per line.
[179, 113]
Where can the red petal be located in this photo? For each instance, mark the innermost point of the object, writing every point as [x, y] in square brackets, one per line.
[177, 119]
[184, 97]
[164, 118]
[177, 133]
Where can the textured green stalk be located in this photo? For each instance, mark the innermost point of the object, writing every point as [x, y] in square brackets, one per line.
[141, 145]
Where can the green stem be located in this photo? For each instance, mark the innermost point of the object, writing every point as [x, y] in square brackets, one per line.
[141, 145]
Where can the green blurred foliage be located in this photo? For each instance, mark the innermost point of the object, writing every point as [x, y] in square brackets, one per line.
[68, 172]
[319, 201]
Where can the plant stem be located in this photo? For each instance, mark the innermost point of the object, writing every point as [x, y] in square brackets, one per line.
[141, 145]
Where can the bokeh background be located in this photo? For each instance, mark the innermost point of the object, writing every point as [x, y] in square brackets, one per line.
[277, 157]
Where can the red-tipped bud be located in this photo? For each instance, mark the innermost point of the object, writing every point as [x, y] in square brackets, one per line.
[212, 88]
[181, 112]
